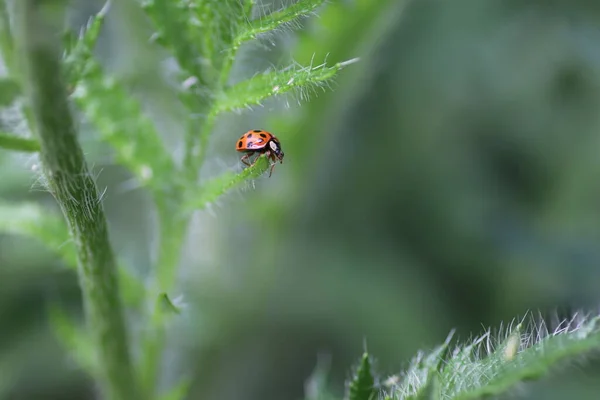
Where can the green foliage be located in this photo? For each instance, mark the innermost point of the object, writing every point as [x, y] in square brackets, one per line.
[9, 90]
[204, 38]
[431, 390]
[68, 179]
[74, 338]
[277, 18]
[179, 391]
[251, 92]
[30, 219]
[17, 143]
[216, 187]
[6, 40]
[167, 305]
[362, 385]
[489, 366]
[117, 116]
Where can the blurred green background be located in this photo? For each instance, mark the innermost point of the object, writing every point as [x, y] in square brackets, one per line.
[450, 179]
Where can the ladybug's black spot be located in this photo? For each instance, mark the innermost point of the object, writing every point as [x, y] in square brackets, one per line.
[262, 135]
[249, 136]
[240, 144]
[257, 131]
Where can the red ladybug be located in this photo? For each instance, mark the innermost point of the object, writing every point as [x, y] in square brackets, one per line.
[260, 142]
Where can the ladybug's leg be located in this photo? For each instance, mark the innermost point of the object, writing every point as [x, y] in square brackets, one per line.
[271, 171]
[274, 159]
[244, 158]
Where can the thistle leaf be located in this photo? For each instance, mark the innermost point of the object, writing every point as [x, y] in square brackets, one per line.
[167, 305]
[255, 90]
[31, 220]
[362, 385]
[211, 190]
[479, 368]
[74, 339]
[179, 391]
[175, 22]
[276, 19]
[18, 143]
[79, 49]
[431, 390]
[9, 91]
[121, 122]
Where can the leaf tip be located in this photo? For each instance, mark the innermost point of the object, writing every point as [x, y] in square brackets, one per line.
[362, 385]
[169, 306]
[104, 10]
[348, 62]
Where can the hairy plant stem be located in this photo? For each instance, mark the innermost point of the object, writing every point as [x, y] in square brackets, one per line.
[73, 187]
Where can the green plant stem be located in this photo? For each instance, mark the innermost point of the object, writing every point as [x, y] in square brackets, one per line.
[6, 44]
[195, 104]
[73, 187]
[173, 228]
[201, 148]
[8, 56]
[195, 157]
[12, 142]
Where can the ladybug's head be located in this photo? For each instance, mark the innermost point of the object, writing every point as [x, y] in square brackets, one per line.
[276, 149]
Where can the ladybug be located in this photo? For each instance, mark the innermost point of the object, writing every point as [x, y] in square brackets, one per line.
[260, 142]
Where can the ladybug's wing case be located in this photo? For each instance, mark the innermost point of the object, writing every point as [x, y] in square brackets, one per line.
[256, 143]
[253, 141]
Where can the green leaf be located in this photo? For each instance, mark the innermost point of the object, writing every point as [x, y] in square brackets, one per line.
[17, 143]
[422, 365]
[255, 90]
[9, 91]
[6, 39]
[79, 49]
[18, 356]
[223, 19]
[431, 390]
[480, 368]
[118, 117]
[214, 28]
[362, 385]
[174, 23]
[275, 19]
[198, 198]
[31, 220]
[116, 114]
[121, 122]
[179, 391]
[74, 340]
[166, 305]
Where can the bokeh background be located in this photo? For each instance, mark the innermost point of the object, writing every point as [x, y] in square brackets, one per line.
[450, 179]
